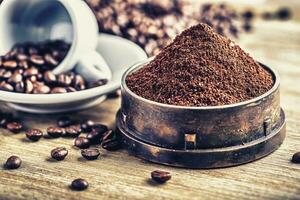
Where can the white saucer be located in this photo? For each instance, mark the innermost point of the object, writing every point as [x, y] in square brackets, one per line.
[119, 53]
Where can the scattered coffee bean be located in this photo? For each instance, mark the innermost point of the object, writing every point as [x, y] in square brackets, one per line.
[111, 144]
[13, 162]
[90, 154]
[14, 127]
[55, 132]
[79, 184]
[87, 126]
[59, 153]
[100, 128]
[284, 13]
[73, 130]
[82, 142]
[160, 176]
[65, 121]
[34, 134]
[296, 158]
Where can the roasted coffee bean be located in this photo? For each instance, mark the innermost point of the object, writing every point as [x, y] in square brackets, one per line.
[160, 176]
[56, 132]
[296, 158]
[23, 64]
[28, 86]
[34, 134]
[37, 60]
[87, 126]
[14, 127]
[95, 137]
[111, 144]
[15, 78]
[79, 184]
[59, 153]
[13, 162]
[100, 82]
[284, 13]
[6, 87]
[100, 128]
[78, 83]
[31, 72]
[70, 89]
[64, 80]
[82, 142]
[21, 57]
[90, 154]
[20, 87]
[73, 130]
[4, 74]
[32, 50]
[11, 64]
[50, 60]
[65, 121]
[41, 89]
[49, 77]
[58, 90]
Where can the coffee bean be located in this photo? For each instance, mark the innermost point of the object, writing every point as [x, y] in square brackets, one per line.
[20, 87]
[94, 137]
[23, 64]
[111, 144]
[78, 83]
[100, 128]
[32, 50]
[73, 130]
[28, 86]
[160, 176]
[71, 89]
[58, 90]
[55, 132]
[100, 82]
[49, 77]
[50, 60]
[41, 89]
[296, 158]
[109, 135]
[65, 121]
[21, 57]
[15, 78]
[59, 153]
[34, 134]
[4, 74]
[6, 87]
[14, 127]
[31, 72]
[87, 126]
[37, 60]
[13, 162]
[82, 142]
[11, 64]
[64, 80]
[90, 154]
[79, 184]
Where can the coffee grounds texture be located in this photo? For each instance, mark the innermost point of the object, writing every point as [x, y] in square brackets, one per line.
[201, 68]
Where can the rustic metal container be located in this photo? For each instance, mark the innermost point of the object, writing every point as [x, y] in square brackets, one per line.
[201, 137]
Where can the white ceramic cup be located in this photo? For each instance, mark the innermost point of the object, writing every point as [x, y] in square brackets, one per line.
[40, 20]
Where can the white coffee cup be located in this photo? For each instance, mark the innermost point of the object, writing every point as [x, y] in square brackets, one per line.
[40, 20]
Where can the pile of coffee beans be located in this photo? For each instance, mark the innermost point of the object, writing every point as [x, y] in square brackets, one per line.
[27, 68]
[195, 70]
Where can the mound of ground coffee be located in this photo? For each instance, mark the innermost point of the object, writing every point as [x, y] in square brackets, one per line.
[200, 68]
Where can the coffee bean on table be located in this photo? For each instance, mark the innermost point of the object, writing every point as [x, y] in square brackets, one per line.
[82, 142]
[34, 134]
[100, 128]
[296, 158]
[79, 184]
[13, 162]
[65, 121]
[73, 130]
[111, 145]
[90, 154]
[160, 176]
[55, 132]
[87, 125]
[59, 153]
[14, 127]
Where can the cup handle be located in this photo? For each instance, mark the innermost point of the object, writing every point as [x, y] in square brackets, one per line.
[93, 64]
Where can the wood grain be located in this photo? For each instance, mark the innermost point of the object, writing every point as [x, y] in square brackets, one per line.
[117, 175]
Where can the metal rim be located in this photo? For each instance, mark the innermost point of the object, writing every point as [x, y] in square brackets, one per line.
[243, 103]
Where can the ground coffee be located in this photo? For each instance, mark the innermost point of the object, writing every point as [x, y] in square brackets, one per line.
[201, 68]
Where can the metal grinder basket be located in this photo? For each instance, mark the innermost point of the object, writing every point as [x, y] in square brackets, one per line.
[201, 137]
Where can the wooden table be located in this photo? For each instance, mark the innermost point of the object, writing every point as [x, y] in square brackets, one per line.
[117, 175]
